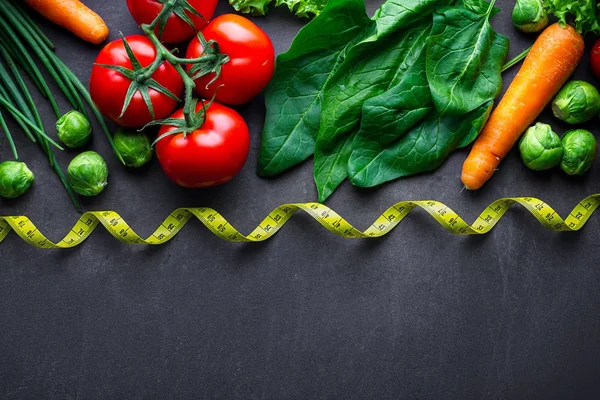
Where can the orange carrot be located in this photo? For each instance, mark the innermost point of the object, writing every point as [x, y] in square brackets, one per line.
[74, 16]
[548, 66]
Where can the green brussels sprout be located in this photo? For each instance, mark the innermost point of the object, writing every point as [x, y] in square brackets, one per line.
[530, 16]
[579, 151]
[577, 102]
[88, 173]
[73, 129]
[135, 148]
[540, 147]
[15, 179]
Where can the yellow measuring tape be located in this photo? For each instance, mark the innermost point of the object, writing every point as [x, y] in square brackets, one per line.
[278, 217]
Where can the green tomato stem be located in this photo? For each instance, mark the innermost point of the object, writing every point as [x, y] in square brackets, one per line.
[213, 60]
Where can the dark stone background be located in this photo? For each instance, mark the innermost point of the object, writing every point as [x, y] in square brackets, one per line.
[420, 314]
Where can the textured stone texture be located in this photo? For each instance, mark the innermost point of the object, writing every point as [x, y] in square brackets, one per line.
[419, 314]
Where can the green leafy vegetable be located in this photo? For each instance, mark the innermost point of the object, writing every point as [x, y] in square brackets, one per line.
[464, 59]
[293, 98]
[372, 116]
[584, 13]
[364, 75]
[421, 149]
[301, 8]
[252, 7]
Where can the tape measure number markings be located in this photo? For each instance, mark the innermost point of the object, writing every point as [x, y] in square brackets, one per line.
[327, 217]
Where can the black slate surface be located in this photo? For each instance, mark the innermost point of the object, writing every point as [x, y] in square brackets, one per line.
[419, 314]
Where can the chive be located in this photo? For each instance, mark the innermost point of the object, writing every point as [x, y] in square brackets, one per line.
[4, 91]
[516, 60]
[21, 83]
[47, 42]
[18, 114]
[68, 88]
[24, 57]
[12, 92]
[37, 50]
[10, 50]
[11, 142]
[71, 79]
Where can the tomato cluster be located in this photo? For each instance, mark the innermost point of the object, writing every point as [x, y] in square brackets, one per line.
[214, 152]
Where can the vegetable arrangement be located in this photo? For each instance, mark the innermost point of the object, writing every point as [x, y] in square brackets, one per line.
[549, 64]
[137, 82]
[23, 45]
[385, 97]
[372, 99]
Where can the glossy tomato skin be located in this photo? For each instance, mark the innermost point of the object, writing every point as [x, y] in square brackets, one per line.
[108, 88]
[176, 30]
[251, 65]
[595, 59]
[211, 155]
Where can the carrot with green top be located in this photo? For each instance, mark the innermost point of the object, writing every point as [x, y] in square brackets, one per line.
[551, 61]
[74, 16]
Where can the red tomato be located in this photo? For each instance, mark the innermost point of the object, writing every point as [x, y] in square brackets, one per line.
[176, 30]
[595, 59]
[209, 156]
[251, 64]
[108, 87]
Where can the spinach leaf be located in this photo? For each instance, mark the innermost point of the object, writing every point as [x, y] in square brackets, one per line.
[387, 117]
[293, 98]
[464, 59]
[422, 149]
[371, 68]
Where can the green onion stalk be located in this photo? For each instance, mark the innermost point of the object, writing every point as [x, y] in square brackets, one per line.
[23, 46]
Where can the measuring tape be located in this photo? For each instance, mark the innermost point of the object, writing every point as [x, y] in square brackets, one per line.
[331, 220]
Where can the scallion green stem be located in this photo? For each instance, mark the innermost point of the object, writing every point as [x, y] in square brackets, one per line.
[9, 138]
[23, 56]
[42, 56]
[18, 114]
[7, 93]
[32, 35]
[516, 60]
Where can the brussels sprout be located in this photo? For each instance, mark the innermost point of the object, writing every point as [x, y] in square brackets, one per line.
[135, 148]
[577, 102]
[73, 129]
[530, 16]
[15, 179]
[541, 148]
[579, 151]
[88, 173]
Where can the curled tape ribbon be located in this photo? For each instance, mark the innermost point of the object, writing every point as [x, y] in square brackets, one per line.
[331, 220]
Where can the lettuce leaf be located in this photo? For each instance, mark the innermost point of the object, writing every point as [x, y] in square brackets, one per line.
[301, 8]
[584, 14]
[304, 8]
[252, 7]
